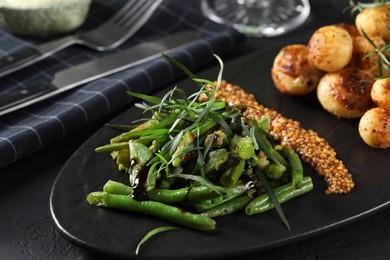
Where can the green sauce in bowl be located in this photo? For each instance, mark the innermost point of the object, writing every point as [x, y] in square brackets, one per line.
[43, 17]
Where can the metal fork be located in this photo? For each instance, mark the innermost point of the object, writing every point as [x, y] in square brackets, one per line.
[107, 36]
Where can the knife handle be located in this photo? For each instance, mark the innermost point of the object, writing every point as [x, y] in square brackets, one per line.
[21, 95]
[19, 60]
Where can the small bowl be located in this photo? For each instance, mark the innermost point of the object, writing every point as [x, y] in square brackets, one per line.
[43, 17]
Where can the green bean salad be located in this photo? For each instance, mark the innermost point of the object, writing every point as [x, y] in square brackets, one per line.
[191, 162]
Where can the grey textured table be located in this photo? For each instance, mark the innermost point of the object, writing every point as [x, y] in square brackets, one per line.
[28, 232]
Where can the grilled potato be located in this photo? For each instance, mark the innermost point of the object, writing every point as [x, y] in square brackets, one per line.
[374, 22]
[380, 93]
[346, 93]
[374, 128]
[293, 72]
[330, 48]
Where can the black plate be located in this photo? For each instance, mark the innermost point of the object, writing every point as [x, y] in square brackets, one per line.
[117, 232]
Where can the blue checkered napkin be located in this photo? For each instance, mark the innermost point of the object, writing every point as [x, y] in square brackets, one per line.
[26, 131]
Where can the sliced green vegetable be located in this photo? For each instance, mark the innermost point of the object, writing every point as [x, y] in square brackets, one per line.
[243, 147]
[230, 176]
[140, 155]
[216, 159]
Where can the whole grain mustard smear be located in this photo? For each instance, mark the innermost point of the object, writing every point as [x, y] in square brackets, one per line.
[311, 148]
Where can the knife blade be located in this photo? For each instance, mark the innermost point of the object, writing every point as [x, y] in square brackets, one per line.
[83, 73]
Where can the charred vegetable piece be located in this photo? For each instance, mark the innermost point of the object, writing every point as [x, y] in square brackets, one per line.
[140, 155]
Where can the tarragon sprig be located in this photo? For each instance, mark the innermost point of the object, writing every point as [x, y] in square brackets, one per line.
[383, 60]
[358, 6]
[380, 51]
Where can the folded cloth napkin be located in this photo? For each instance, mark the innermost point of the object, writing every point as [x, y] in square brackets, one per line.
[23, 132]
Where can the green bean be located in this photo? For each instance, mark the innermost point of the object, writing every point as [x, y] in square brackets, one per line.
[295, 165]
[228, 207]
[284, 193]
[231, 176]
[167, 196]
[202, 192]
[115, 187]
[231, 193]
[153, 208]
[191, 194]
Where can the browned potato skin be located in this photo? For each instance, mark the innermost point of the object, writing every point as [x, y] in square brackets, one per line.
[374, 21]
[346, 93]
[361, 46]
[380, 93]
[374, 128]
[330, 48]
[293, 72]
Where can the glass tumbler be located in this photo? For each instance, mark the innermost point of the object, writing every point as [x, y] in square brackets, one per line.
[258, 18]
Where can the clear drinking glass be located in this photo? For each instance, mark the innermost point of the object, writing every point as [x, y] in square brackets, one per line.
[259, 18]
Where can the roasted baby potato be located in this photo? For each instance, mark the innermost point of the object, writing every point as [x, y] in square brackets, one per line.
[374, 128]
[346, 93]
[380, 93]
[330, 48]
[374, 22]
[293, 72]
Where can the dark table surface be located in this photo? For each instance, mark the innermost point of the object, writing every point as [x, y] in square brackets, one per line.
[28, 232]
